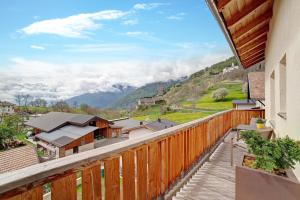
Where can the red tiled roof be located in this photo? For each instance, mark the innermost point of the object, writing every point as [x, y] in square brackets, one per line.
[18, 158]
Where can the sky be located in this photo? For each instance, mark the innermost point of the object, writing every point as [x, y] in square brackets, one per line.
[56, 49]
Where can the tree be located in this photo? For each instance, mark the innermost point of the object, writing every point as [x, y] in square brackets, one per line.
[220, 94]
[39, 102]
[9, 128]
[61, 106]
[18, 99]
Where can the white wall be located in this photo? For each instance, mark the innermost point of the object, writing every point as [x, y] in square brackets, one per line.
[68, 152]
[86, 147]
[284, 39]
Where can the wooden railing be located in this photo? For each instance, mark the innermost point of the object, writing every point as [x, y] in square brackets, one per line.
[144, 168]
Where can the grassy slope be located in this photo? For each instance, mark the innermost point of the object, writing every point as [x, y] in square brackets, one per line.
[205, 103]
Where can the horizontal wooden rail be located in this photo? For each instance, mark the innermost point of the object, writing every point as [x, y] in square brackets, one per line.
[144, 168]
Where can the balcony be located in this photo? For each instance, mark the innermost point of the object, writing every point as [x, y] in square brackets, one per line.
[155, 166]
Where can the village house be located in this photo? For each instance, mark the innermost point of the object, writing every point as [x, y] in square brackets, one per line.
[150, 101]
[60, 134]
[6, 107]
[135, 128]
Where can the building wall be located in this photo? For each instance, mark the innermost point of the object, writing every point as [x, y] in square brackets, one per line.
[86, 147]
[284, 40]
[88, 138]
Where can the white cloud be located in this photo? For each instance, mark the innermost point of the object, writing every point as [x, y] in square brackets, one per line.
[137, 33]
[37, 47]
[130, 22]
[72, 26]
[54, 81]
[148, 6]
[178, 16]
[104, 47]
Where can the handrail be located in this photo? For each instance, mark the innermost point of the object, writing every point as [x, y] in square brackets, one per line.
[45, 172]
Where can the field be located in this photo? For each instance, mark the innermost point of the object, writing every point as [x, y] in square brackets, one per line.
[200, 108]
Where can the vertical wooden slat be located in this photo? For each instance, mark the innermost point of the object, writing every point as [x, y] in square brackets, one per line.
[91, 183]
[153, 170]
[164, 166]
[112, 178]
[32, 194]
[142, 173]
[64, 188]
[128, 173]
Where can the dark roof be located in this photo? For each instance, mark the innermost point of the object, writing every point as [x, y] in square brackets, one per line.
[62, 141]
[54, 120]
[256, 81]
[62, 136]
[18, 158]
[6, 103]
[160, 124]
[244, 102]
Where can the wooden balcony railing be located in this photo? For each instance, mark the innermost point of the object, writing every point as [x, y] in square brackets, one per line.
[145, 168]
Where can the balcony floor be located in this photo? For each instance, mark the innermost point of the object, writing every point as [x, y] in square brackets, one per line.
[216, 178]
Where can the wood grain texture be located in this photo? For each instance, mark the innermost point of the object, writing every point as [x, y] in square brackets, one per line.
[128, 173]
[32, 194]
[91, 183]
[153, 170]
[112, 178]
[64, 188]
[142, 173]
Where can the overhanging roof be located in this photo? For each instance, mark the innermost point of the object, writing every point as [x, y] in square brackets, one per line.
[245, 24]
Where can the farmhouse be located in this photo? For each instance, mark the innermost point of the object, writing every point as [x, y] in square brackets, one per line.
[61, 134]
[6, 107]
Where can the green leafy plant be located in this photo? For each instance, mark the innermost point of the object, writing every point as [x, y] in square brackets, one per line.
[272, 155]
[260, 121]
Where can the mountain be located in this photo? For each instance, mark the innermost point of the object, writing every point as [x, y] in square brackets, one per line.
[102, 99]
[147, 90]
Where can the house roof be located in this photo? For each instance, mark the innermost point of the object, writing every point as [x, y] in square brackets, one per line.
[6, 103]
[66, 134]
[245, 24]
[256, 81]
[18, 158]
[160, 124]
[244, 102]
[127, 123]
[54, 120]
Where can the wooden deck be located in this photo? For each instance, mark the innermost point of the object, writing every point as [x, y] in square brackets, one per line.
[216, 178]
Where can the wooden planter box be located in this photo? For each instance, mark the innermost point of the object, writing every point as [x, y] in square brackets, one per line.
[254, 184]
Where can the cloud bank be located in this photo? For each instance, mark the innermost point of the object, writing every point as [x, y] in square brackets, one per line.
[54, 81]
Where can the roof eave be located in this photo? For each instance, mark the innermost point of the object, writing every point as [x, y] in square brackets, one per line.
[221, 23]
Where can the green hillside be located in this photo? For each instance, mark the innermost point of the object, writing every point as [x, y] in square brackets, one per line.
[192, 99]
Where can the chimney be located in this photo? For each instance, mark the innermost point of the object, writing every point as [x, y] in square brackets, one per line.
[141, 123]
[159, 120]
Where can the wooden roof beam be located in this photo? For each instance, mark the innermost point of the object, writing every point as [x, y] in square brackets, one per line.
[253, 52]
[259, 55]
[221, 4]
[255, 43]
[244, 12]
[262, 18]
[247, 65]
[261, 31]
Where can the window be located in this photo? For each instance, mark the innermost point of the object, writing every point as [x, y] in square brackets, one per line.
[282, 87]
[75, 149]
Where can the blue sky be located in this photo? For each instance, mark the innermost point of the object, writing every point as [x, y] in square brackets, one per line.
[57, 49]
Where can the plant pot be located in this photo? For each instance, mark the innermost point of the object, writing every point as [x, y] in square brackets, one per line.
[260, 126]
[253, 184]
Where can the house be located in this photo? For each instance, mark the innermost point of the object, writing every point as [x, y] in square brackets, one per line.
[135, 128]
[266, 33]
[61, 134]
[6, 107]
[229, 69]
[18, 158]
[244, 104]
[149, 101]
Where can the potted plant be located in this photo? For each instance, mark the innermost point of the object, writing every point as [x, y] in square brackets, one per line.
[267, 170]
[260, 123]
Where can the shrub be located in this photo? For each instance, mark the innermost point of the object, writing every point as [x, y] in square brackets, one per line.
[260, 121]
[272, 155]
[220, 94]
